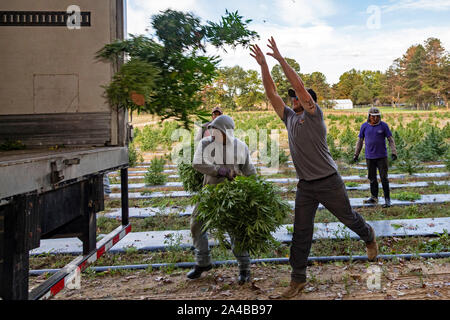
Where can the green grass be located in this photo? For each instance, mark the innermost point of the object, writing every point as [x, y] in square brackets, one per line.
[352, 184]
[154, 202]
[408, 192]
[156, 223]
[322, 247]
[406, 196]
[386, 110]
[394, 212]
[175, 222]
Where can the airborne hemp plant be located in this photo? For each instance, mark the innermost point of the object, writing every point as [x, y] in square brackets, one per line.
[248, 208]
[168, 70]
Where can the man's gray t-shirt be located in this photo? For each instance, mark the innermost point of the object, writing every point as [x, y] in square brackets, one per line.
[307, 136]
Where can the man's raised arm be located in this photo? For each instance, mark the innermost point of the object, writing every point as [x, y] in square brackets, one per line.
[269, 86]
[296, 82]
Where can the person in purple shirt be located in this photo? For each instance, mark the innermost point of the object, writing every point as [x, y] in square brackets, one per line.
[375, 132]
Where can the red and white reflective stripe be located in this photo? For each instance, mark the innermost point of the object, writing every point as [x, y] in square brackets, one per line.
[80, 263]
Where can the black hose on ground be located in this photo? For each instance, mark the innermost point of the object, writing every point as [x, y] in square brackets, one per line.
[185, 265]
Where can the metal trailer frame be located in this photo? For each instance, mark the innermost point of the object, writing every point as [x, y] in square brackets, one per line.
[68, 274]
[27, 218]
[71, 271]
[48, 193]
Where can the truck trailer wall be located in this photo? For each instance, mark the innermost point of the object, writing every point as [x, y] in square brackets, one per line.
[50, 81]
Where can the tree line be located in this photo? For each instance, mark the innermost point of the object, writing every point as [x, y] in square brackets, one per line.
[165, 73]
[171, 74]
[419, 79]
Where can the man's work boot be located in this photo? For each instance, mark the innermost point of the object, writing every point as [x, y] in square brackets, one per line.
[372, 247]
[387, 203]
[197, 271]
[294, 289]
[244, 276]
[371, 200]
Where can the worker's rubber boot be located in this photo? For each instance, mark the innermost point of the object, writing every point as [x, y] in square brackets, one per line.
[244, 276]
[197, 271]
[387, 203]
[371, 200]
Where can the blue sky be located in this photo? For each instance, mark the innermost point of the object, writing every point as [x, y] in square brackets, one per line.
[330, 36]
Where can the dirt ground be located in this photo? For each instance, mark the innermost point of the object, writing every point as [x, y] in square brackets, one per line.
[404, 280]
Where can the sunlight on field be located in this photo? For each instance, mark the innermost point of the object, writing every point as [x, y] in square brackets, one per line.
[153, 137]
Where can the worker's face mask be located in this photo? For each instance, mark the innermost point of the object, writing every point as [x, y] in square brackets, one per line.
[374, 119]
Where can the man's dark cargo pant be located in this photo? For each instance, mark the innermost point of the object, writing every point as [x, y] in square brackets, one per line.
[330, 192]
[383, 167]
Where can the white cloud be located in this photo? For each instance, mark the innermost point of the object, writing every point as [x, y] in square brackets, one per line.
[335, 51]
[304, 44]
[303, 12]
[433, 5]
[139, 12]
[155, 6]
[302, 33]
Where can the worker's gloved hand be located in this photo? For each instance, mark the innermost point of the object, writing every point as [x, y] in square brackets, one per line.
[394, 157]
[227, 172]
[355, 159]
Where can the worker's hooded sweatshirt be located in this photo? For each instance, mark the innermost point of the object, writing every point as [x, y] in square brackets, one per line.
[211, 154]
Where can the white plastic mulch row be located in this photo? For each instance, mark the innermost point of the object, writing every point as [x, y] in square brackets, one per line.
[361, 167]
[419, 184]
[290, 166]
[164, 240]
[354, 202]
[431, 166]
[345, 178]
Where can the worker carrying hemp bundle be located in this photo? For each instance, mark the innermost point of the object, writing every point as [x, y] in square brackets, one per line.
[219, 156]
[246, 207]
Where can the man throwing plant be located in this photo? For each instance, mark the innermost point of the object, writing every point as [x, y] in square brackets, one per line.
[319, 180]
[219, 156]
[375, 132]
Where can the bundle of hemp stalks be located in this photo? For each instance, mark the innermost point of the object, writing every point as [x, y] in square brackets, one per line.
[247, 208]
[192, 179]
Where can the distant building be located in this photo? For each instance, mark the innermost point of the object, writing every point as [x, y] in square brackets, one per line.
[342, 104]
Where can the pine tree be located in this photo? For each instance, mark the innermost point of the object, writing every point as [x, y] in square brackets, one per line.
[414, 65]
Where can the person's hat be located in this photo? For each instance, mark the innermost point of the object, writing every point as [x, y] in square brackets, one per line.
[374, 112]
[217, 109]
[291, 93]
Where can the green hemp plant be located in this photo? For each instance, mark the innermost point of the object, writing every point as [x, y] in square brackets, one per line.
[248, 208]
[168, 70]
[192, 179]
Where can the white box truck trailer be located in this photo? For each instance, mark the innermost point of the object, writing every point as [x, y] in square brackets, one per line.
[58, 134]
